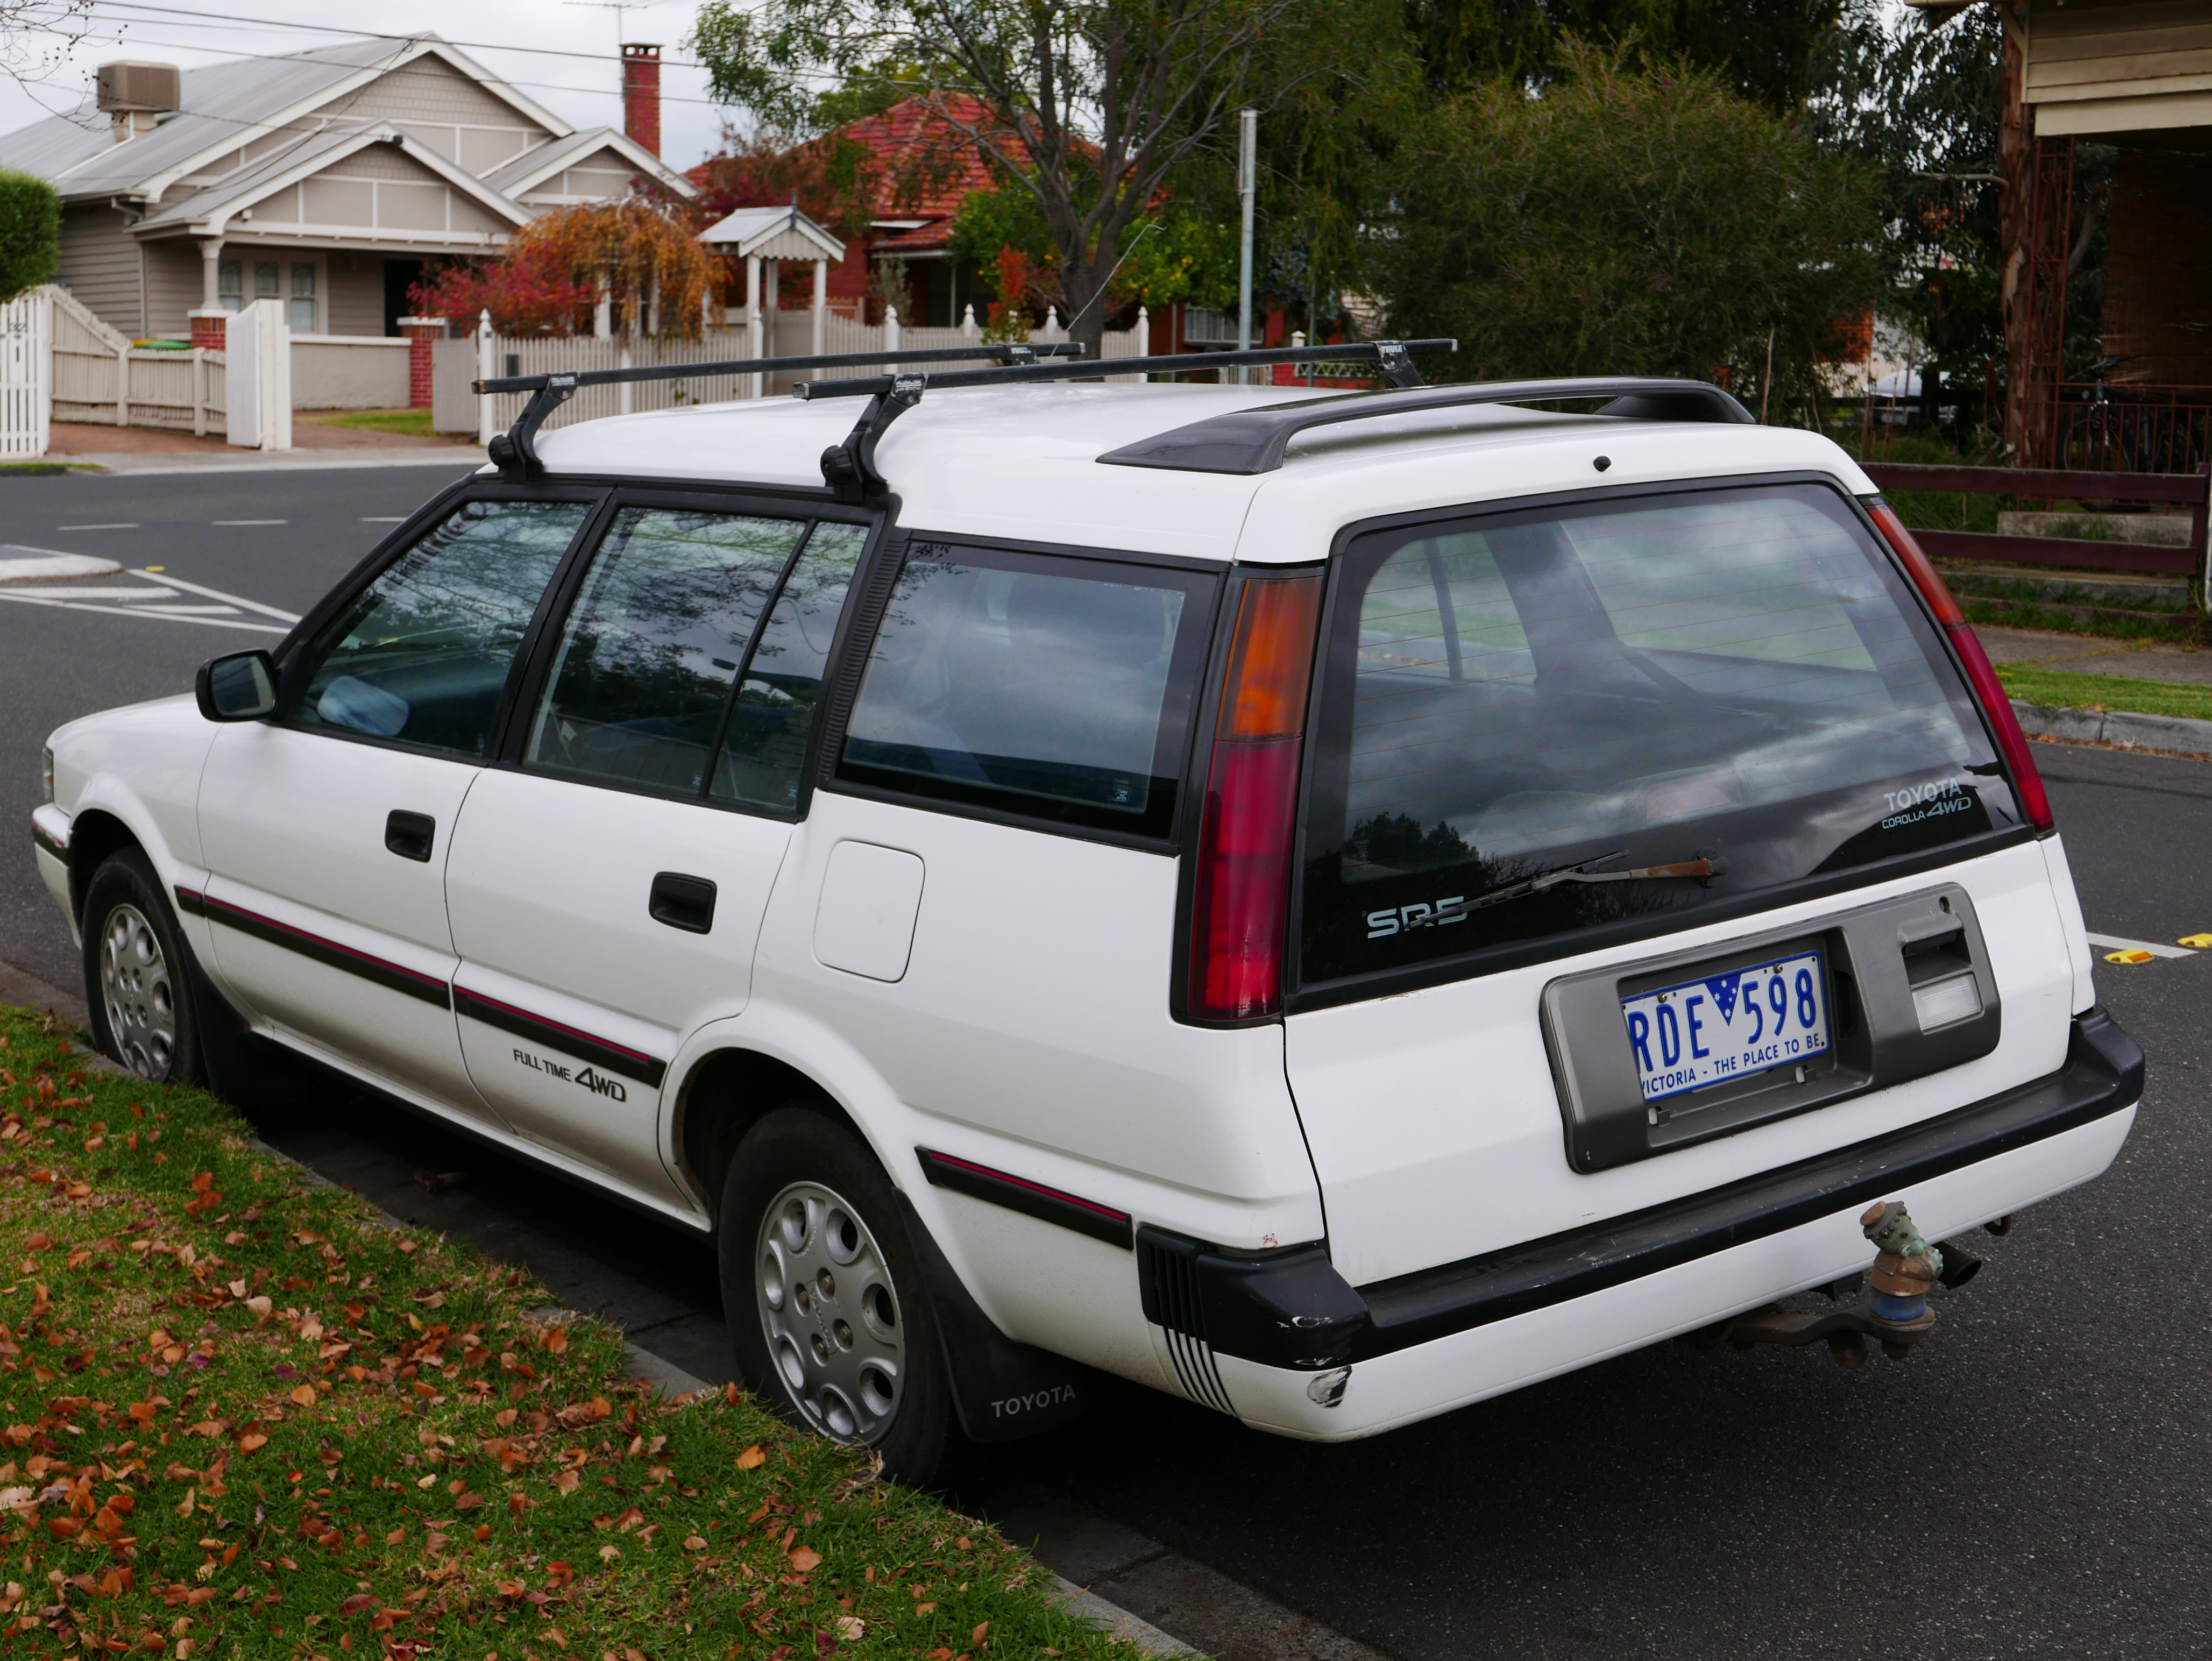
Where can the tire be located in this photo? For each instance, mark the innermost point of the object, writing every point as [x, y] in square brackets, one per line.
[823, 1293]
[137, 975]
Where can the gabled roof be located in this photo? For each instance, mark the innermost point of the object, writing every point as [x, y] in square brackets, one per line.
[533, 168]
[227, 105]
[773, 233]
[206, 212]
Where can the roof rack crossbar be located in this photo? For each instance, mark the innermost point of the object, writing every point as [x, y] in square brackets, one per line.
[515, 452]
[1246, 441]
[849, 468]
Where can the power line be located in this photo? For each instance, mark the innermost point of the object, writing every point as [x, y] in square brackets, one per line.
[273, 56]
[279, 25]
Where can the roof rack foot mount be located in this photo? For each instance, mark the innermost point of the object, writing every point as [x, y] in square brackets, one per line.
[849, 469]
[515, 452]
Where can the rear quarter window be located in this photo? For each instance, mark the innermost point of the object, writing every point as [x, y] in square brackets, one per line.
[1512, 702]
[1058, 688]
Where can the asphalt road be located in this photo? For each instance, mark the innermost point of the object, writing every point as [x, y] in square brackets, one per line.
[59, 661]
[2033, 1482]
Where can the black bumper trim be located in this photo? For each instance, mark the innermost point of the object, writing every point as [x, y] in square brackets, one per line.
[2103, 1075]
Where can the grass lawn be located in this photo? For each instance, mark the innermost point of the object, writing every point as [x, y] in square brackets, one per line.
[242, 1416]
[2057, 688]
[414, 423]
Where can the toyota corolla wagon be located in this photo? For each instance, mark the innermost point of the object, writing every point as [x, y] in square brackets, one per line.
[1330, 904]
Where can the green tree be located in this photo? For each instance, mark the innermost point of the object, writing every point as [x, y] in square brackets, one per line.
[30, 232]
[1630, 221]
[1773, 52]
[1094, 108]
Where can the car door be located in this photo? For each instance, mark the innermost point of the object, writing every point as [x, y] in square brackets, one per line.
[607, 886]
[327, 829]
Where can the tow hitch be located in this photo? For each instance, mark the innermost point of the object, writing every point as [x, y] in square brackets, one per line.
[1895, 1315]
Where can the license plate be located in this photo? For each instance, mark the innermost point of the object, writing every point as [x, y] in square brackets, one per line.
[1728, 1026]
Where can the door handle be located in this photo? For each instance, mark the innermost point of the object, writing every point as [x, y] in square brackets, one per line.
[410, 835]
[683, 902]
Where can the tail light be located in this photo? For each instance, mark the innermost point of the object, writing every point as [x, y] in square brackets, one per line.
[1989, 692]
[1241, 892]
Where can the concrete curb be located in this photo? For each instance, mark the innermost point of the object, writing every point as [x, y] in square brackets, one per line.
[2123, 728]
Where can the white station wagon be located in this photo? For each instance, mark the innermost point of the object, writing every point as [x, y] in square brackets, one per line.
[1331, 905]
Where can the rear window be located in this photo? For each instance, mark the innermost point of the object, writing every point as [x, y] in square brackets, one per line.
[1513, 702]
[1054, 687]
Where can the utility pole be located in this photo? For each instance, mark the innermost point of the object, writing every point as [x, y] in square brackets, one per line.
[1248, 181]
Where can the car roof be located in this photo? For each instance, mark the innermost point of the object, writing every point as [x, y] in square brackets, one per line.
[1021, 463]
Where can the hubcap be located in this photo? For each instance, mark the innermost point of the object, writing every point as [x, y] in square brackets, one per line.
[835, 1331]
[135, 987]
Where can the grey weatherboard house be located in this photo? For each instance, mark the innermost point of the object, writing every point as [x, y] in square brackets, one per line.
[326, 178]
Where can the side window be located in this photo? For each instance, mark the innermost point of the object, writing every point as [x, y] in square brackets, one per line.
[654, 642]
[423, 653]
[1059, 687]
[769, 725]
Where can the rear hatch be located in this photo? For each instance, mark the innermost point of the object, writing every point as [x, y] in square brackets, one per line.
[1649, 841]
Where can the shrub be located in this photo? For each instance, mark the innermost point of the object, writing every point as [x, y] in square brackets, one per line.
[30, 232]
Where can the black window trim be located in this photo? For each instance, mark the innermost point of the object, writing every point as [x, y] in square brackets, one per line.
[292, 651]
[1298, 998]
[810, 508]
[863, 622]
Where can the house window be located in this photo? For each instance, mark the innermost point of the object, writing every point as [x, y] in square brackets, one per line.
[230, 292]
[264, 280]
[302, 316]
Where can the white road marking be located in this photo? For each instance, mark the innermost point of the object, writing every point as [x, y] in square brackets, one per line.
[376, 519]
[142, 611]
[65, 591]
[22, 564]
[191, 610]
[217, 594]
[129, 524]
[249, 522]
[2114, 943]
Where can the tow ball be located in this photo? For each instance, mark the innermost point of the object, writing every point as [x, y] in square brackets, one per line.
[1895, 1313]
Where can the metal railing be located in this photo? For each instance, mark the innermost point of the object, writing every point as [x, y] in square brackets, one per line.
[2192, 490]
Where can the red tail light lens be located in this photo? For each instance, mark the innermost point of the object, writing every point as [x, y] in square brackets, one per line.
[1241, 888]
[1989, 692]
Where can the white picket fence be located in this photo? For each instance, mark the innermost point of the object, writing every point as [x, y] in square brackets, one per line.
[785, 334]
[26, 375]
[100, 377]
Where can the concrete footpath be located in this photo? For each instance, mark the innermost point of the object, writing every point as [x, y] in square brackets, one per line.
[315, 444]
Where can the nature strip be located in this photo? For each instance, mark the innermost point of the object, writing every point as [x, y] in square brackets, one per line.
[241, 1415]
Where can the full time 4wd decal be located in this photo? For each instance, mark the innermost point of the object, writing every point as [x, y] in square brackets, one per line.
[589, 1078]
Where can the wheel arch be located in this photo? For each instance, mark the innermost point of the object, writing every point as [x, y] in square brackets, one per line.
[728, 1092]
[95, 834]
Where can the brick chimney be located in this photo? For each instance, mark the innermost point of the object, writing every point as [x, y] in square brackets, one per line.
[641, 95]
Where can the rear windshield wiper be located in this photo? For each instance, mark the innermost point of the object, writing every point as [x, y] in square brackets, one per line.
[1704, 867]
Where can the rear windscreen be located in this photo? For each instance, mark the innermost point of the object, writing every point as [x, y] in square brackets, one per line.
[1518, 708]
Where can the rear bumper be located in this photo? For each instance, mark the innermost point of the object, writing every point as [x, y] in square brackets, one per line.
[1426, 1343]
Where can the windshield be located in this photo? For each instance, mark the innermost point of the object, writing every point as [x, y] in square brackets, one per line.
[1737, 676]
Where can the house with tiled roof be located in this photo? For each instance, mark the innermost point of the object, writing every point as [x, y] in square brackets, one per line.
[326, 178]
[920, 166]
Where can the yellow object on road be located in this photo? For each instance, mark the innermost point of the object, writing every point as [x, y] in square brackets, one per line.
[2129, 957]
[2199, 941]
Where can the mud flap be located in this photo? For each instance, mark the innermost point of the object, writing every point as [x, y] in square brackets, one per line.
[1005, 1391]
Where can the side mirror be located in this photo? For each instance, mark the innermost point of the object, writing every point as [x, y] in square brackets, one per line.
[240, 686]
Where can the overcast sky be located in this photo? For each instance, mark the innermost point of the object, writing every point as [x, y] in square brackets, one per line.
[584, 89]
